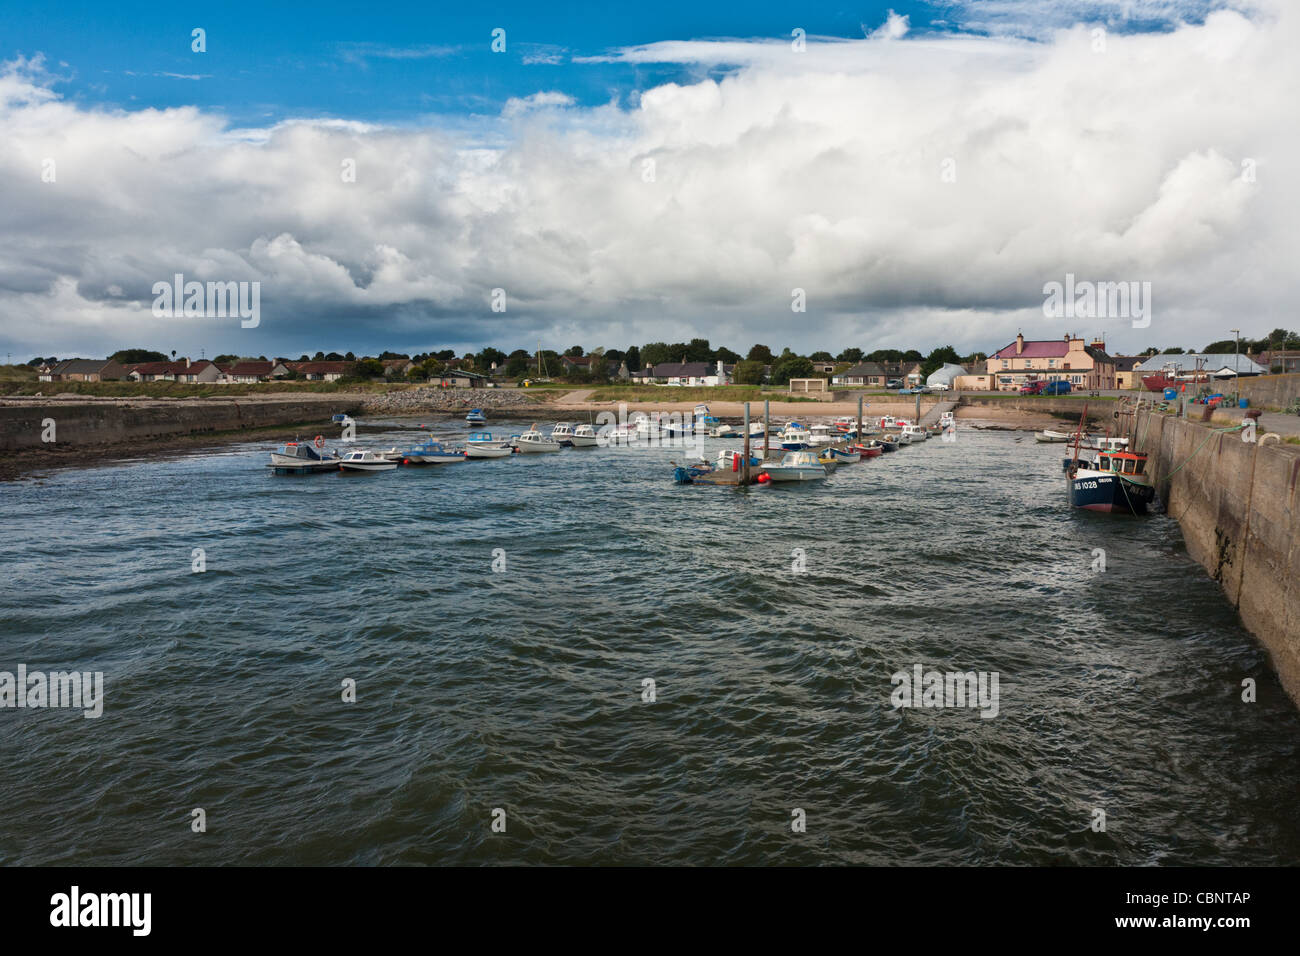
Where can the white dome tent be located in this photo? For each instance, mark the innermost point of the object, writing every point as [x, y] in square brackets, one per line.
[945, 374]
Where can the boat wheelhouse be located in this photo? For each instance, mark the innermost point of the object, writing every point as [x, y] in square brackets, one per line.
[303, 458]
[1116, 482]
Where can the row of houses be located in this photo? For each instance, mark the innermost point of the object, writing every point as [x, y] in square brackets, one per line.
[201, 372]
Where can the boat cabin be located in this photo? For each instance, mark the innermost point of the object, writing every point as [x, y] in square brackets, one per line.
[1121, 462]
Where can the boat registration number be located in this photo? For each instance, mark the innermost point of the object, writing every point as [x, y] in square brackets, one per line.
[1085, 484]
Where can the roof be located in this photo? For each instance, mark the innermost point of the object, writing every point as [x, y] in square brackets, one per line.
[863, 369]
[171, 368]
[576, 359]
[320, 368]
[1213, 362]
[683, 369]
[1048, 348]
[1125, 363]
[944, 374]
[81, 366]
[249, 368]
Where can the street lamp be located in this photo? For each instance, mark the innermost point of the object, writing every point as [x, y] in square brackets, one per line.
[1236, 383]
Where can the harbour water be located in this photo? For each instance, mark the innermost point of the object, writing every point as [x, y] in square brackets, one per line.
[770, 620]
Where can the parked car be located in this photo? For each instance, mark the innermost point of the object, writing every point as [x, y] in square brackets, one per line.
[1057, 388]
[894, 383]
[1033, 388]
[940, 387]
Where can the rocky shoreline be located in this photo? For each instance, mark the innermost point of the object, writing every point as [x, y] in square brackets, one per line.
[426, 399]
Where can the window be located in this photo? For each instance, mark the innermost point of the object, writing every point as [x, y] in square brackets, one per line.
[1006, 364]
[1051, 363]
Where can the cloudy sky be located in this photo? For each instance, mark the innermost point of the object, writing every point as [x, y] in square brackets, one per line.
[919, 170]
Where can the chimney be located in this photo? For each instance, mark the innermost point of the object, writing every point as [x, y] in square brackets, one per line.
[1020, 342]
[187, 361]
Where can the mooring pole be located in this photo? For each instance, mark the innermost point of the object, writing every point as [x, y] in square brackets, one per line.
[918, 409]
[860, 436]
[767, 424]
[744, 475]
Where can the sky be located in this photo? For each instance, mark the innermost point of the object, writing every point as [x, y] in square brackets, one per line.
[910, 174]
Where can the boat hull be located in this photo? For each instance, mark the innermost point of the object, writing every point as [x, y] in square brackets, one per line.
[537, 447]
[1108, 493]
[488, 451]
[778, 473]
[367, 466]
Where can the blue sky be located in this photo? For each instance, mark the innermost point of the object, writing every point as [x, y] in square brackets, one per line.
[642, 172]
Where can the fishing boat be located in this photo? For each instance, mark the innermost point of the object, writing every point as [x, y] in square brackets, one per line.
[869, 450]
[483, 445]
[887, 443]
[794, 437]
[365, 461]
[647, 428]
[757, 429]
[620, 434]
[847, 456]
[899, 439]
[1104, 444]
[584, 436]
[725, 431]
[476, 417]
[304, 458]
[430, 452]
[844, 425]
[562, 433]
[533, 442]
[947, 420]
[731, 461]
[821, 435]
[1116, 482]
[914, 432]
[1047, 435]
[827, 460]
[795, 466]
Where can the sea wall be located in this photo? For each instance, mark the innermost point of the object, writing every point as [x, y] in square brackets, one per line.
[1236, 502]
[1097, 408]
[88, 422]
[1275, 390]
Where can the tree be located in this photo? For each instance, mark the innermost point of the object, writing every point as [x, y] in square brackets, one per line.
[698, 350]
[349, 357]
[574, 351]
[223, 359]
[517, 364]
[633, 359]
[725, 355]
[748, 373]
[334, 357]
[850, 355]
[304, 359]
[369, 368]
[1175, 351]
[654, 353]
[760, 353]
[1220, 347]
[935, 360]
[791, 366]
[599, 367]
[489, 357]
[318, 357]
[136, 356]
[387, 356]
[885, 355]
[821, 357]
[417, 374]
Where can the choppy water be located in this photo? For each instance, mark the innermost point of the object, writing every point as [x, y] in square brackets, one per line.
[522, 690]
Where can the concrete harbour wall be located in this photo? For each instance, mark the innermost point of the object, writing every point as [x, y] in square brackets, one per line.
[87, 422]
[1236, 502]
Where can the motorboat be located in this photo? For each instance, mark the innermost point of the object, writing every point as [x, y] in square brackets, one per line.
[947, 420]
[869, 450]
[562, 433]
[899, 439]
[725, 431]
[794, 437]
[821, 435]
[847, 456]
[483, 445]
[365, 461]
[1054, 437]
[430, 452]
[795, 466]
[757, 429]
[915, 432]
[620, 434]
[826, 458]
[533, 441]
[304, 458]
[475, 417]
[844, 425]
[887, 443]
[646, 427]
[584, 436]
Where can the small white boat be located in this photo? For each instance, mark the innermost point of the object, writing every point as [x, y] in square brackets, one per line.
[946, 420]
[584, 436]
[365, 461]
[821, 435]
[756, 429]
[646, 427]
[302, 458]
[533, 441]
[826, 458]
[794, 437]
[795, 466]
[562, 433]
[900, 439]
[476, 417]
[430, 452]
[725, 431]
[502, 450]
[620, 434]
[1047, 436]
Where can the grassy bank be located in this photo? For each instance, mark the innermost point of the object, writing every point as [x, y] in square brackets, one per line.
[179, 390]
[651, 393]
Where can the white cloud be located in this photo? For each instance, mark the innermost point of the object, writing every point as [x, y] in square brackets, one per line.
[822, 170]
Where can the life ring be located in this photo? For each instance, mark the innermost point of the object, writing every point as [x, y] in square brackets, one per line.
[319, 442]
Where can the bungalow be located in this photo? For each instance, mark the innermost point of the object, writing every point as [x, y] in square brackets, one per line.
[240, 373]
[460, 378]
[84, 370]
[182, 370]
[321, 371]
[869, 374]
[688, 373]
[1069, 359]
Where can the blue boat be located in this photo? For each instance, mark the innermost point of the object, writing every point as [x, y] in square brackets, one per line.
[476, 417]
[430, 452]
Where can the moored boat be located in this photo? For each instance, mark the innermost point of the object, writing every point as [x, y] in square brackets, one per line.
[483, 445]
[562, 433]
[304, 458]
[826, 458]
[475, 417]
[914, 432]
[794, 437]
[1115, 482]
[795, 466]
[848, 455]
[584, 436]
[365, 461]
[430, 452]
[533, 442]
